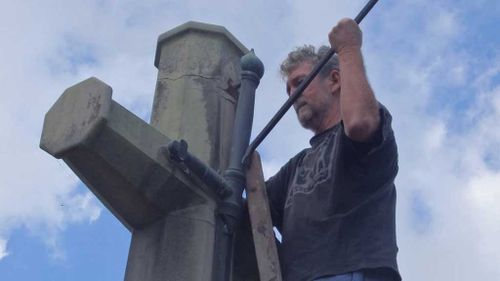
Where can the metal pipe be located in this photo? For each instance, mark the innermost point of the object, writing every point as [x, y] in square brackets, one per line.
[178, 151]
[230, 209]
[298, 92]
[252, 71]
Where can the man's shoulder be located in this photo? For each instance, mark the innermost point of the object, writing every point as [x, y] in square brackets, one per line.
[298, 157]
[290, 166]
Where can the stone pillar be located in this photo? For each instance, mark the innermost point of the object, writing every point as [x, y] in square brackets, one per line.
[196, 91]
[170, 212]
[195, 99]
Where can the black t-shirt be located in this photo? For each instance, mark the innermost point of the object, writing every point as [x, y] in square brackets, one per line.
[334, 204]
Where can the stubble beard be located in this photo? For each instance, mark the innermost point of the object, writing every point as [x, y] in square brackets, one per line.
[306, 116]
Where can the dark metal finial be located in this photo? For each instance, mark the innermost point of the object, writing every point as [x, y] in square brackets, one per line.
[250, 62]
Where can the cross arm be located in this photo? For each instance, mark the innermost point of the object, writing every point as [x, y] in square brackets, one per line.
[116, 154]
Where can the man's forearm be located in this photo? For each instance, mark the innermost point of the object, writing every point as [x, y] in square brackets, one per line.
[359, 107]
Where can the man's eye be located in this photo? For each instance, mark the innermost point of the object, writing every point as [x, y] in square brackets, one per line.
[298, 82]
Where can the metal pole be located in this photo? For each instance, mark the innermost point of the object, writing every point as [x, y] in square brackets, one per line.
[229, 210]
[295, 95]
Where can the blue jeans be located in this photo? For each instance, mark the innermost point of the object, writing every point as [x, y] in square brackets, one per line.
[352, 276]
[360, 276]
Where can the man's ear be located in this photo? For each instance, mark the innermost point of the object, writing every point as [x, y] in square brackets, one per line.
[335, 80]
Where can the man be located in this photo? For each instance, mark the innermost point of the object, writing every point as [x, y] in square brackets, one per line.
[334, 203]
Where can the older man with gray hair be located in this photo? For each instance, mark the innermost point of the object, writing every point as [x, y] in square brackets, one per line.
[334, 203]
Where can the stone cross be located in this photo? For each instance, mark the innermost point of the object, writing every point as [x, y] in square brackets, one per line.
[170, 214]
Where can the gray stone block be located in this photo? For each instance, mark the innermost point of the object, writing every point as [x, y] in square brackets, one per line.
[170, 213]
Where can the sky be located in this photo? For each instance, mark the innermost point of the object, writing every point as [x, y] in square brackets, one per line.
[434, 64]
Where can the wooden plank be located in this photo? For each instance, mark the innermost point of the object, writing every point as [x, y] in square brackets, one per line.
[262, 227]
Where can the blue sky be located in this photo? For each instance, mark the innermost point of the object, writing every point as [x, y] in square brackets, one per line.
[435, 65]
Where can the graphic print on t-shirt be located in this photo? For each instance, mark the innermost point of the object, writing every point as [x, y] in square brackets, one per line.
[314, 169]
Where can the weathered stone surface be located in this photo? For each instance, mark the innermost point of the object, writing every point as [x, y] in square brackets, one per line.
[196, 91]
[185, 253]
[86, 105]
[116, 155]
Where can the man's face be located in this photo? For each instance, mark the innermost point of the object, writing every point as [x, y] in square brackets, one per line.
[315, 105]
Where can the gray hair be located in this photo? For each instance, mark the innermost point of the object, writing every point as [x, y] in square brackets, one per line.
[308, 53]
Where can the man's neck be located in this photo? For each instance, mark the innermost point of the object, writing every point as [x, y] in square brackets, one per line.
[332, 119]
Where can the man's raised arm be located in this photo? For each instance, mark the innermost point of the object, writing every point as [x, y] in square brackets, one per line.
[358, 105]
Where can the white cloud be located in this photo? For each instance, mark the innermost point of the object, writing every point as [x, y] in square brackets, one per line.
[484, 192]
[37, 192]
[3, 248]
[435, 137]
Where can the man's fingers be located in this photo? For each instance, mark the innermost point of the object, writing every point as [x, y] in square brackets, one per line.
[345, 34]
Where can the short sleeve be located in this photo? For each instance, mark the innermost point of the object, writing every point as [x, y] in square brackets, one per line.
[376, 160]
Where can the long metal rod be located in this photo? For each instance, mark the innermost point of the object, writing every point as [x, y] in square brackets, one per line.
[298, 92]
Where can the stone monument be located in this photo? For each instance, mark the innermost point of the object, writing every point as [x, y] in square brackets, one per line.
[170, 213]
